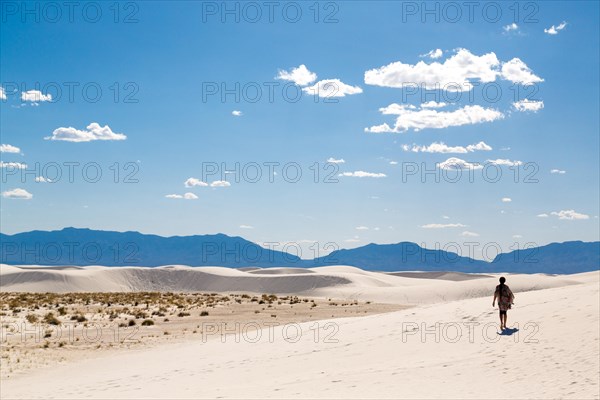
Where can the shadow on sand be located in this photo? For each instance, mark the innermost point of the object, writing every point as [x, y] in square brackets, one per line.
[508, 331]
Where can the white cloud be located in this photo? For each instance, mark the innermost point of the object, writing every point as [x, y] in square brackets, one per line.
[93, 132]
[504, 162]
[469, 234]
[41, 179]
[35, 96]
[246, 227]
[300, 75]
[2, 93]
[517, 71]
[442, 226]
[443, 148]
[433, 54]
[331, 88]
[7, 148]
[185, 196]
[427, 118]
[335, 161]
[13, 165]
[363, 174]
[236, 113]
[220, 184]
[517, 236]
[553, 30]
[393, 162]
[569, 214]
[362, 228]
[445, 217]
[454, 74]
[457, 163]
[191, 182]
[353, 240]
[506, 199]
[433, 104]
[558, 171]
[544, 215]
[510, 27]
[20, 194]
[528, 105]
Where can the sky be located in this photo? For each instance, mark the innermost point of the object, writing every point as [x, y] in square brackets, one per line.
[320, 125]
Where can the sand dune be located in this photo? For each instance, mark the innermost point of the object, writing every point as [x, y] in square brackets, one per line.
[413, 353]
[340, 282]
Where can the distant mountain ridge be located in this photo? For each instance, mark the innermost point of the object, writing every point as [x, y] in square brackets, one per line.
[84, 247]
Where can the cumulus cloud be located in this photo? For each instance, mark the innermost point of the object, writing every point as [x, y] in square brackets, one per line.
[185, 196]
[246, 227]
[93, 132]
[331, 88]
[504, 162]
[506, 199]
[442, 226]
[20, 194]
[569, 215]
[455, 74]
[393, 162]
[191, 182]
[236, 113]
[454, 163]
[517, 71]
[543, 215]
[528, 105]
[7, 148]
[510, 28]
[469, 234]
[300, 75]
[335, 161]
[363, 174]
[433, 119]
[2, 93]
[41, 179]
[13, 165]
[362, 228]
[553, 30]
[35, 96]
[433, 54]
[441, 147]
[220, 184]
[433, 104]
[558, 171]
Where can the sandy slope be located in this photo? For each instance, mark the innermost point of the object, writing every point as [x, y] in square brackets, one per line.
[554, 355]
[340, 282]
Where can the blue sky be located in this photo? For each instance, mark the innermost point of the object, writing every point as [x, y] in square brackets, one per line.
[534, 104]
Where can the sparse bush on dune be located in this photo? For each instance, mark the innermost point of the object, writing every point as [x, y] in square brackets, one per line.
[51, 319]
[31, 318]
[204, 314]
[147, 322]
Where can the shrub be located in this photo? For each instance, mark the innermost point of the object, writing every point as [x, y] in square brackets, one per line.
[204, 314]
[62, 311]
[147, 322]
[31, 318]
[183, 314]
[131, 322]
[51, 319]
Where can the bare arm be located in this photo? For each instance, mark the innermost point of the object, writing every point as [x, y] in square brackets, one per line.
[494, 301]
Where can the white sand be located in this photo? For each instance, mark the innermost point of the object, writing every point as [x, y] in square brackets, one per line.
[555, 354]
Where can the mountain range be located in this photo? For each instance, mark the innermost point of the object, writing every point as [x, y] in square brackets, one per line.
[84, 247]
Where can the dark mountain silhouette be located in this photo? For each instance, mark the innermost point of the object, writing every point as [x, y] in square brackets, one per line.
[81, 247]
[403, 256]
[554, 258]
[72, 246]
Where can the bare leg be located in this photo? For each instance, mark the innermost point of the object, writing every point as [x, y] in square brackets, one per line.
[501, 322]
[505, 316]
